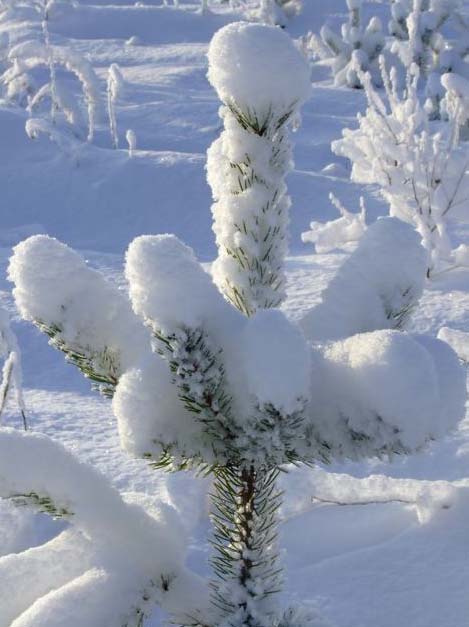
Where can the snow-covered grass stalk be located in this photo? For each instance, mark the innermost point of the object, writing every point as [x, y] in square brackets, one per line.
[12, 378]
[357, 47]
[131, 141]
[115, 83]
[25, 57]
[422, 171]
[247, 165]
[240, 391]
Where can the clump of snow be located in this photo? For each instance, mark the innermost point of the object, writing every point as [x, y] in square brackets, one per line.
[458, 340]
[150, 415]
[257, 67]
[168, 286]
[55, 287]
[276, 360]
[388, 385]
[377, 287]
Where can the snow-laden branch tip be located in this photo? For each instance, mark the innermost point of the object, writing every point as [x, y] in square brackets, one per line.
[110, 565]
[11, 383]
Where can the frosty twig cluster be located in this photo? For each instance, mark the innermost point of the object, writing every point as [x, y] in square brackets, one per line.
[422, 172]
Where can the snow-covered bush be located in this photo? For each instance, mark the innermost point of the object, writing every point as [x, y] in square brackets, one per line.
[421, 170]
[339, 233]
[12, 378]
[273, 12]
[205, 374]
[357, 47]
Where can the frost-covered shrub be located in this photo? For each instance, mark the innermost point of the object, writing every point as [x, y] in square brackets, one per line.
[337, 234]
[205, 374]
[357, 47]
[421, 170]
[12, 378]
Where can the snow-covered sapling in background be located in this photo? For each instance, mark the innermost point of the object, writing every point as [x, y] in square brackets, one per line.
[416, 28]
[12, 379]
[273, 12]
[421, 170]
[206, 374]
[356, 47]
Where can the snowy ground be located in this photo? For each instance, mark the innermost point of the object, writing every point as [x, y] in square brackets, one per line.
[377, 565]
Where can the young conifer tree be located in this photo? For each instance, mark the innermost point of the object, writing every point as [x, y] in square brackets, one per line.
[216, 377]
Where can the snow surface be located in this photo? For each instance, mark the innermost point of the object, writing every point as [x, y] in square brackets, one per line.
[402, 562]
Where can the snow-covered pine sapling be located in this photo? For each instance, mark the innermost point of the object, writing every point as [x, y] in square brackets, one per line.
[452, 60]
[247, 165]
[115, 84]
[337, 234]
[422, 171]
[12, 378]
[271, 12]
[240, 391]
[356, 47]
[416, 26]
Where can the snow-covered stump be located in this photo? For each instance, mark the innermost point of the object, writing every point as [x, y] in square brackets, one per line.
[196, 383]
[262, 80]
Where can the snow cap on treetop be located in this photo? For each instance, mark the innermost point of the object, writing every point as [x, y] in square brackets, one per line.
[259, 67]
